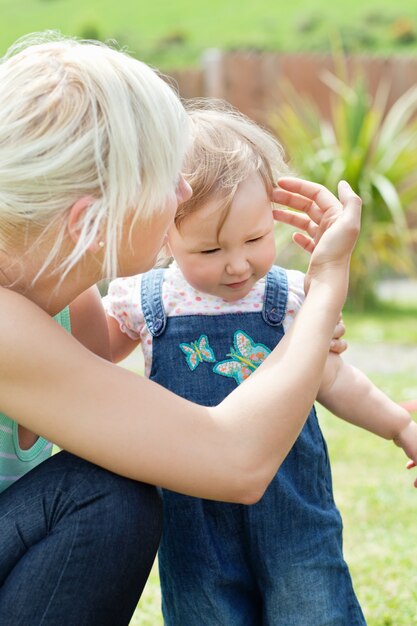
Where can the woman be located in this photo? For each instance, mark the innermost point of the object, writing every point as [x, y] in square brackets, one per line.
[91, 146]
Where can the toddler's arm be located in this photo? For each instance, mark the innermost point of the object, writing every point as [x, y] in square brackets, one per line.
[121, 345]
[350, 395]
[124, 316]
[98, 331]
[88, 322]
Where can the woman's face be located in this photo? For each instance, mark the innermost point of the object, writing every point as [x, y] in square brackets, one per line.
[147, 239]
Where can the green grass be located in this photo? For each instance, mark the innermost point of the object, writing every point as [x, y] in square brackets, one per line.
[387, 322]
[173, 33]
[377, 500]
[148, 612]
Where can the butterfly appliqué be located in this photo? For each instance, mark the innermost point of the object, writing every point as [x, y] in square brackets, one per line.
[245, 356]
[198, 351]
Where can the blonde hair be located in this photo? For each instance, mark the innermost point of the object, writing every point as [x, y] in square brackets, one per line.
[81, 119]
[226, 148]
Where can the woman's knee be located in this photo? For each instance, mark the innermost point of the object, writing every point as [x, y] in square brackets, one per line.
[137, 508]
[86, 527]
[111, 510]
[128, 523]
[123, 510]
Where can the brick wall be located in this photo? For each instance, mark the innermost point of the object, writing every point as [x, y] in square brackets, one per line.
[255, 82]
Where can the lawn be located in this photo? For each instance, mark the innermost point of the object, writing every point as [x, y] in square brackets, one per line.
[392, 323]
[372, 488]
[173, 34]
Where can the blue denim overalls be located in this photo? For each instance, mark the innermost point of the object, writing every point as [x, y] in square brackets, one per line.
[278, 562]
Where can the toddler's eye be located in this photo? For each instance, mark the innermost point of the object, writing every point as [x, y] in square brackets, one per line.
[210, 251]
[255, 239]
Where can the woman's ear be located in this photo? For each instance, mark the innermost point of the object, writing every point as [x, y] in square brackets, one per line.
[166, 248]
[75, 221]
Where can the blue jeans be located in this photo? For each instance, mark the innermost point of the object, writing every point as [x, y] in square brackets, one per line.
[76, 545]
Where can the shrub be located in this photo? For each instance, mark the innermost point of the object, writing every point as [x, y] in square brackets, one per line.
[375, 150]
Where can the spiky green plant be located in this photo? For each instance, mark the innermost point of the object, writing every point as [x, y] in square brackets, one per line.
[375, 150]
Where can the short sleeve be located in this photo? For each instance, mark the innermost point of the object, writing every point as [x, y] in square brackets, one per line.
[123, 303]
[296, 296]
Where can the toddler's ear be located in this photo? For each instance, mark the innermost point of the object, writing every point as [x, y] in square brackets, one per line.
[76, 221]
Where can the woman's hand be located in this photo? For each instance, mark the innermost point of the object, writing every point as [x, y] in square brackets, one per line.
[330, 226]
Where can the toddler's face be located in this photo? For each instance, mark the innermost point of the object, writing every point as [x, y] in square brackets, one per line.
[227, 263]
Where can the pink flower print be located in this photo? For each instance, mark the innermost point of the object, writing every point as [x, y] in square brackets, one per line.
[257, 357]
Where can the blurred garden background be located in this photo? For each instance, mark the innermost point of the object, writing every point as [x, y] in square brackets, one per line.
[337, 83]
[174, 33]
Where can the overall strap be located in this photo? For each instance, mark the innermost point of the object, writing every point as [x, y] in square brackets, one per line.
[151, 299]
[276, 296]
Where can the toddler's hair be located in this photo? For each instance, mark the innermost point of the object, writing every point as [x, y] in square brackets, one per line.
[79, 118]
[226, 148]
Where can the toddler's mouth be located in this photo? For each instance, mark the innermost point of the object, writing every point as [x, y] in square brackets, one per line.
[241, 283]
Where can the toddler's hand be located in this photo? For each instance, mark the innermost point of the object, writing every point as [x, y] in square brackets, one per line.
[410, 465]
[337, 344]
[407, 440]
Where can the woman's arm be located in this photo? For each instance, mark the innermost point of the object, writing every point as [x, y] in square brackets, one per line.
[134, 427]
[88, 325]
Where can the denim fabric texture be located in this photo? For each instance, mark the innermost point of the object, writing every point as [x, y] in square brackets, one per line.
[76, 545]
[278, 562]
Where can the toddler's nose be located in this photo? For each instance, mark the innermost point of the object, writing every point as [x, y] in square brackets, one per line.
[237, 266]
